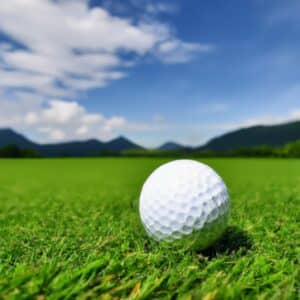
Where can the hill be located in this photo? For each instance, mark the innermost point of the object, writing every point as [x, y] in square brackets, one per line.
[171, 146]
[76, 148]
[121, 144]
[245, 138]
[9, 137]
[275, 135]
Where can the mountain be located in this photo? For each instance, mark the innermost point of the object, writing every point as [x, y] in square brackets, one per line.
[169, 146]
[84, 148]
[121, 144]
[77, 148]
[8, 136]
[274, 135]
[87, 148]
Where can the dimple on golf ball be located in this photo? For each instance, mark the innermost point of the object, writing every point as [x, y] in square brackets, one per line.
[184, 199]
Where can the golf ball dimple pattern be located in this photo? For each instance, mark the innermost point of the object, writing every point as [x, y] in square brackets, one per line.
[184, 197]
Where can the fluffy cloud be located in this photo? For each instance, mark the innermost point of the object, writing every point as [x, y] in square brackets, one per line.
[59, 48]
[56, 120]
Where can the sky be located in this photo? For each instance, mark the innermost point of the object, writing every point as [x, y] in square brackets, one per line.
[153, 71]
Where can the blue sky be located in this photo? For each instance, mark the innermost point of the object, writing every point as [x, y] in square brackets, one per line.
[151, 70]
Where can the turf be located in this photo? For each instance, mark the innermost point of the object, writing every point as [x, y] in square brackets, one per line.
[70, 229]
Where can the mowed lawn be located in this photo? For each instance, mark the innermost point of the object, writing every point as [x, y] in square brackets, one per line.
[70, 228]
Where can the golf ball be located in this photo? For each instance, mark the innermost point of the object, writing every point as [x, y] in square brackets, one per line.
[184, 199]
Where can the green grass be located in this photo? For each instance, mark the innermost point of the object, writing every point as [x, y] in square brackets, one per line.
[70, 229]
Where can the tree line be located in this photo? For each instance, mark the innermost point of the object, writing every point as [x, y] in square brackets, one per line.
[14, 151]
[289, 150]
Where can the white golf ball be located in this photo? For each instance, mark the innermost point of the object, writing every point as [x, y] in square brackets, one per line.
[184, 199]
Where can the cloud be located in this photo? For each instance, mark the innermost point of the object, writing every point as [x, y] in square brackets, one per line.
[144, 8]
[56, 50]
[82, 131]
[161, 7]
[60, 48]
[56, 120]
[176, 51]
[54, 134]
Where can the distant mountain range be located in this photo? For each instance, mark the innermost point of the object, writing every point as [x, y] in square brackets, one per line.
[251, 137]
[255, 136]
[77, 148]
[275, 135]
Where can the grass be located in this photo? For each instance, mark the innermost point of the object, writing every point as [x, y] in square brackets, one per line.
[70, 229]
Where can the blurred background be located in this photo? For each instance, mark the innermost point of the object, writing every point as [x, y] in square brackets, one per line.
[148, 74]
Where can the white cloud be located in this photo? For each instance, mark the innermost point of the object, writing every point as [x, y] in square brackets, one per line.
[162, 7]
[177, 51]
[82, 130]
[53, 134]
[19, 78]
[57, 134]
[57, 120]
[116, 122]
[61, 112]
[91, 118]
[58, 49]
[31, 118]
[69, 47]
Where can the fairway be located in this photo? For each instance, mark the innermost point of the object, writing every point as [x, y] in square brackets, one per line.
[70, 228]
